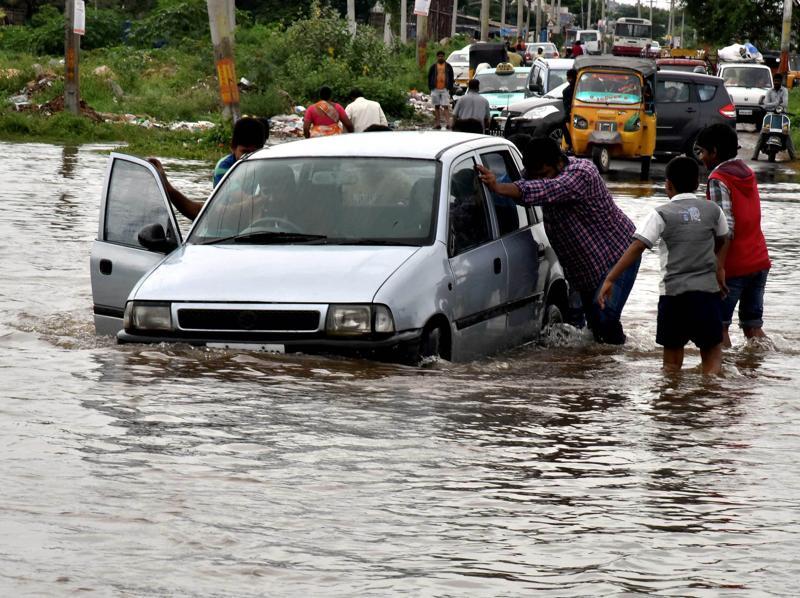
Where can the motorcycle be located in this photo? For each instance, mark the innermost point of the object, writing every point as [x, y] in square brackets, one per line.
[775, 135]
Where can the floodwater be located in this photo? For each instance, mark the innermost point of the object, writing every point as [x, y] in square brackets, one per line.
[570, 468]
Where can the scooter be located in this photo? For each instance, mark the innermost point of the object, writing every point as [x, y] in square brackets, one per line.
[775, 136]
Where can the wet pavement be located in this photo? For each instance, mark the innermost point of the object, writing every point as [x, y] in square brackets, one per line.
[569, 468]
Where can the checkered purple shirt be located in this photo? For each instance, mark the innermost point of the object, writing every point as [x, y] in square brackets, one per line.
[587, 230]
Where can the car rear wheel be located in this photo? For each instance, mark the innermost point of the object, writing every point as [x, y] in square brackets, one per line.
[601, 157]
[552, 315]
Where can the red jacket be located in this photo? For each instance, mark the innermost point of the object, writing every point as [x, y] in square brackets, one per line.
[748, 250]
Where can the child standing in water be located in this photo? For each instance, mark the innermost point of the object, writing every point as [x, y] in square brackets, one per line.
[692, 236]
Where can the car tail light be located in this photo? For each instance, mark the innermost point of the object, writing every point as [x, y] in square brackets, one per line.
[728, 111]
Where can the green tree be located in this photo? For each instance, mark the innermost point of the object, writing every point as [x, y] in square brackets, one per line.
[722, 22]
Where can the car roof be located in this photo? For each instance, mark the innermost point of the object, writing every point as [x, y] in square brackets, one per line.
[694, 77]
[422, 145]
[493, 70]
[677, 61]
[557, 63]
[642, 65]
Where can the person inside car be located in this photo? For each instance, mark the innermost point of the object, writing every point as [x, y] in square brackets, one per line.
[249, 135]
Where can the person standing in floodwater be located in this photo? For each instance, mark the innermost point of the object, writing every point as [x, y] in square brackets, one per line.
[692, 236]
[733, 187]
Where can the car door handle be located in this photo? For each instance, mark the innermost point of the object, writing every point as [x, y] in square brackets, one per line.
[498, 265]
[690, 109]
[106, 266]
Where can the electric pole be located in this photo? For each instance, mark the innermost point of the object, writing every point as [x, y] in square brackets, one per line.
[72, 50]
[403, 21]
[786, 31]
[455, 18]
[422, 41]
[221, 22]
[520, 17]
[484, 20]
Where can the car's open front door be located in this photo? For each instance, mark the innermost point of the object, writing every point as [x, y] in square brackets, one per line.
[133, 197]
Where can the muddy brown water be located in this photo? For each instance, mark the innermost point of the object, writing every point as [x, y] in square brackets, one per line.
[568, 468]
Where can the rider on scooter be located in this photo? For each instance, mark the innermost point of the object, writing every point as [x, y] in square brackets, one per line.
[776, 99]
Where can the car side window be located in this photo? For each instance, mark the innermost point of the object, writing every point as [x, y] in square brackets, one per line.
[469, 217]
[706, 92]
[510, 216]
[671, 92]
[134, 200]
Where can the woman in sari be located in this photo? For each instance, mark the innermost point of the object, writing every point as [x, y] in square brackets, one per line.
[325, 117]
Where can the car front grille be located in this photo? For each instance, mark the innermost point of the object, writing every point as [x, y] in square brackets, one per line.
[249, 319]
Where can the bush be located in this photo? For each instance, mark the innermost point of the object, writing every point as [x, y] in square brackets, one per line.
[171, 24]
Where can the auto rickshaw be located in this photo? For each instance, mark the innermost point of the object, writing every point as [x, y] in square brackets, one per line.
[613, 110]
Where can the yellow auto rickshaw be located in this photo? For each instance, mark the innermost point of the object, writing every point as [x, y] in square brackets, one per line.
[613, 110]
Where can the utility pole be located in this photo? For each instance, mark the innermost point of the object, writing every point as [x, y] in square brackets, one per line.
[683, 19]
[484, 20]
[351, 16]
[639, 9]
[455, 18]
[603, 47]
[422, 41]
[72, 50]
[651, 13]
[520, 17]
[589, 16]
[670, 25]
[786, 31]
[538, 18]
[221, 21]
[403, 21]
[503, 14]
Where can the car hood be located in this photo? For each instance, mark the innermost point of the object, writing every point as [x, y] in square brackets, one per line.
[525, 105]
[270, 273]
[501, 100]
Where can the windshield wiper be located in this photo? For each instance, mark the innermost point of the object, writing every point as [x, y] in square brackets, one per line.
[268, 238]
[368, 241]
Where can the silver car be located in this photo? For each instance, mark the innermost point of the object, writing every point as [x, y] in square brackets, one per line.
[384, 244]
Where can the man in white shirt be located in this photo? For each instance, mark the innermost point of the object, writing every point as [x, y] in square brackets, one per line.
[364, 113]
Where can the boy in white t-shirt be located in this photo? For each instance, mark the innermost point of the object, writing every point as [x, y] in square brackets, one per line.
[693, 238]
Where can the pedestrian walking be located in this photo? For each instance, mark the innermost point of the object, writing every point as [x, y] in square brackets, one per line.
[472, 107]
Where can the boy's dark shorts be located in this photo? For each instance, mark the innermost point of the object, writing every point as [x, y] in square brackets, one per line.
[692, 316]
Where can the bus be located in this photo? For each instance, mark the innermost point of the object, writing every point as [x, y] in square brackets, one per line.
[631, 36]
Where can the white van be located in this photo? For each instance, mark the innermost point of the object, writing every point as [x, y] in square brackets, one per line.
[748, 84]
[590, 38]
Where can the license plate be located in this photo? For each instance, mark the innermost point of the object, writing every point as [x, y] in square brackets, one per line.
[606, 126]
[745, 112]
[264, 348]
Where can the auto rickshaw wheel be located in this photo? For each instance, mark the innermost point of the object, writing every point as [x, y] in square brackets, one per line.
[644, 174]
[601, 157]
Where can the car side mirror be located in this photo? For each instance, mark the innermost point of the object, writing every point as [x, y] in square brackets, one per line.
[153, 238]
[535, 88]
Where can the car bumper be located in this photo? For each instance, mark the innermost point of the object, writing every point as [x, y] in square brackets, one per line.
[750, 114]
[284, 342]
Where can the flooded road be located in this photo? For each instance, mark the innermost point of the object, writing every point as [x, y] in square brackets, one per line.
[573, 469]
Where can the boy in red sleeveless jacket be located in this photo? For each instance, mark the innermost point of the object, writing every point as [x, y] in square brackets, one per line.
[732, 185]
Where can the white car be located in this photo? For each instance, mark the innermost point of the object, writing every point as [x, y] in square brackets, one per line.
[459, 60]
[748, 84]
[376, 243]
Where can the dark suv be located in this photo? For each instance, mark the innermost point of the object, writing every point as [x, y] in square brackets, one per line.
[685, 104]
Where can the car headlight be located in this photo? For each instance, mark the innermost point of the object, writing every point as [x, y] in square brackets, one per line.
[147, 316]
[540, 112]
[579, 122]
[354, 320]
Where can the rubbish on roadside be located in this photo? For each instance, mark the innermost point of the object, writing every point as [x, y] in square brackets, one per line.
[9, 73]
[201, 125]
[299, 109]
[103, 71]
[286, 125]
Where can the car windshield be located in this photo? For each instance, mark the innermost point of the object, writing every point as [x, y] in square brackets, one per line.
[491, 82]
[458, 57]
[556, 78]
[341, 200]
[556, 93]
[608, 88]
[742, 76]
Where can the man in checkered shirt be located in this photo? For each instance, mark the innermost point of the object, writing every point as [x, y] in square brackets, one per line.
[587, 230]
